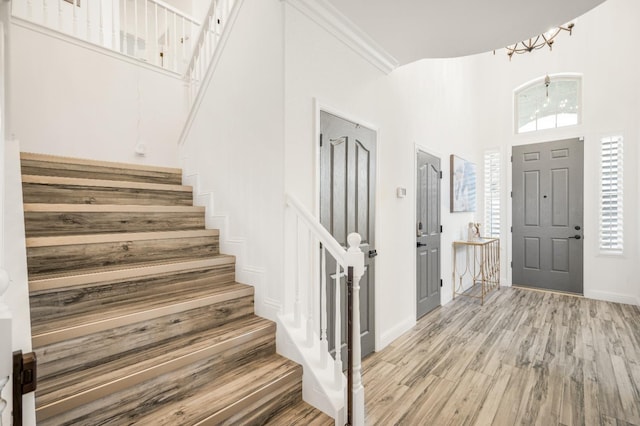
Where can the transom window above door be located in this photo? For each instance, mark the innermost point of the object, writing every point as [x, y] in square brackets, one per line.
[548, 103]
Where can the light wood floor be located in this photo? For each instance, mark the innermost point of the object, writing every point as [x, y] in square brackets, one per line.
[525, 357]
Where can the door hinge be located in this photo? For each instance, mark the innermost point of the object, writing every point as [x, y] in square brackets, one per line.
[512, 158]
[440, 282]
[320, 246]
[511, 265]
[511, 193]
[320, 139]
[441, 229]
[512, 229]
[440, 174]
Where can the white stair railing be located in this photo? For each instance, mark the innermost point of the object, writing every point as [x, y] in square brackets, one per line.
[151, 31]
[206, 43]
[306, 318]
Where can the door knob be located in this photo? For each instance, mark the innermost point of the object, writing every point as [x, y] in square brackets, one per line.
[422, 244]
[577, 237]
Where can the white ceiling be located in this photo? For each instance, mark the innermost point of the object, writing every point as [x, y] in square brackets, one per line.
[415, 29]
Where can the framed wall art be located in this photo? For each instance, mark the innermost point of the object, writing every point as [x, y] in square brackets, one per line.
[463, 185]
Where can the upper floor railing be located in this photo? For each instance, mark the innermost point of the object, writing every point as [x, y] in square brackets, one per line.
[207, 42]
[151, 31]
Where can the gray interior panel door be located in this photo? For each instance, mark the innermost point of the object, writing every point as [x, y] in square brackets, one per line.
[427, 233]
[347, 200]
[548, 215]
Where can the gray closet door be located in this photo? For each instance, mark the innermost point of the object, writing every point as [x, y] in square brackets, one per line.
[347, 200]
[427, 233]
[548, 215]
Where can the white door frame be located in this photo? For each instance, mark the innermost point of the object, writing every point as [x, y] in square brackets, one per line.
[414, 200]
[322, 106]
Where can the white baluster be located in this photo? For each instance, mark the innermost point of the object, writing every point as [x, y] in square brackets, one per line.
[60, 14]
[183, 42]
[3, 403]
[311, 292]
[114, 33]
[75, 17]
[101, 30]
[124, 27]
[166, 39]
[88, 16]
[146, 30]
[207, 38]
[5, 337]
[338, 333]
[135, 28]
[156, 55]
[324, 343]
[175, 42]
[296, 306]
[355, 257]
[45, 14]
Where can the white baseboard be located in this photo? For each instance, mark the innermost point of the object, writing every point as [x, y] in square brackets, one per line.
[396, 331]
[612, 297]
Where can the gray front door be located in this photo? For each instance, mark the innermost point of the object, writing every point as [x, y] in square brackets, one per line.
[347, 200]
[428, 233]
[547, 215]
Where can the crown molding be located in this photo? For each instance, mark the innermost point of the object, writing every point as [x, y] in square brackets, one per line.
[328, 17]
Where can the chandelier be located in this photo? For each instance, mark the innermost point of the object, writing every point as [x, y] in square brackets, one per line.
[538, 42]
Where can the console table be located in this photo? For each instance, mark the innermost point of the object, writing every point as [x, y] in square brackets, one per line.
[481, 267]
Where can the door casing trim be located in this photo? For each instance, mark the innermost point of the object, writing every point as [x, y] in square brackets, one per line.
[318, 106]
[418, 147]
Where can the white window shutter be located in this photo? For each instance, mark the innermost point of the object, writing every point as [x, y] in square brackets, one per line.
[492, 194]
[611, 195]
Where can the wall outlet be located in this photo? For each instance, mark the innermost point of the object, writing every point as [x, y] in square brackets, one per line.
[401, 192]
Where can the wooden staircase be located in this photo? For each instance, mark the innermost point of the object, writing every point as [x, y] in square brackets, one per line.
[136, 317]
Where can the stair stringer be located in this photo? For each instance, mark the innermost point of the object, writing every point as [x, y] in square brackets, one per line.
[318, 387]
[253, 275]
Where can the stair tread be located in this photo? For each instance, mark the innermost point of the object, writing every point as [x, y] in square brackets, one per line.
[138, 305]
[301, 414]
[31, 156]
[101, 275]
[133, 367]
[61, 240]
[226, 396]
[108, 208]
[102, 183]
[103, 269]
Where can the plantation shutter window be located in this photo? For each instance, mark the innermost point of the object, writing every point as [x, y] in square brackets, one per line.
[611, 195]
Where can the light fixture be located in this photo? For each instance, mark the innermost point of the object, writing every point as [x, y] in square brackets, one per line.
[538, 42]
[547, 83]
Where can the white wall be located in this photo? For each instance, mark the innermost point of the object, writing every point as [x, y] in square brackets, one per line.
[75, 101]
[601, 49]
[17, 296]
[425, 104]
[235, 147]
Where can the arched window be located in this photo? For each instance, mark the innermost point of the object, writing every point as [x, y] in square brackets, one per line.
[548, 103]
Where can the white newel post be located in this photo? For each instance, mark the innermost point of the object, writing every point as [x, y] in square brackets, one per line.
[5, 343]
[355, 258]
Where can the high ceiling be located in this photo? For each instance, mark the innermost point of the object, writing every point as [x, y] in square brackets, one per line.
[415, 29]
